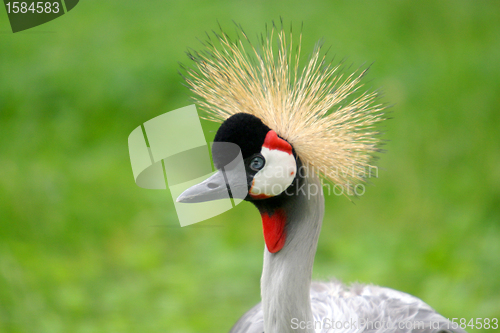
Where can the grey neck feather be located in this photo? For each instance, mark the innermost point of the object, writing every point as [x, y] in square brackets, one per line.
[286, 276]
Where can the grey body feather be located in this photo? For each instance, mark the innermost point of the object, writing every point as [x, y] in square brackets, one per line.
[289, 297]
[360, 308]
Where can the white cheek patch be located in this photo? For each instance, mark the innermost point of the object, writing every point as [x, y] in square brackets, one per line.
[276, 176]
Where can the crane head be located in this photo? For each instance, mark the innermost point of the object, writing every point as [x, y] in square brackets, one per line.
[270, 163]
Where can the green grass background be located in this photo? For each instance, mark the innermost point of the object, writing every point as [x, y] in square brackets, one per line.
[83, 249]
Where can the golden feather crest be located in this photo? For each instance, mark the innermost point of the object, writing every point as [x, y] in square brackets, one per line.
[310, 106]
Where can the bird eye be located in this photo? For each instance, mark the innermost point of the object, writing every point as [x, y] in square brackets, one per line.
[257, 163]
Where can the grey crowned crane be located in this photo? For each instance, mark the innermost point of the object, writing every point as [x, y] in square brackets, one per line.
[296, 126]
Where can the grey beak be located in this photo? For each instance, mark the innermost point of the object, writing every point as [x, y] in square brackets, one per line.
[229, 181]
[212, 188]
[218, 186]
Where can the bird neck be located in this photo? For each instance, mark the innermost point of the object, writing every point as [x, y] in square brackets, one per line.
[286, 275]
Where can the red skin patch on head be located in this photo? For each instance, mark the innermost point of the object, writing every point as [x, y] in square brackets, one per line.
[257, 196]
[272, 141]
[274, 229]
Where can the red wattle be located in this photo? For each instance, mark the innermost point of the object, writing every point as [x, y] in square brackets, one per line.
[274, 229]
[272, 141]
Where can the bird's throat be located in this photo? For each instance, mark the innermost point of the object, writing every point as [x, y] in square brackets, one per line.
[274, 225]
[292, 225]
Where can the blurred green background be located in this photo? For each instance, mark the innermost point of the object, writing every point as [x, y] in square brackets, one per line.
[83, 249]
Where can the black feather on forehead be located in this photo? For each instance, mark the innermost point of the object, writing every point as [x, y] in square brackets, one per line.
[242, 129]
